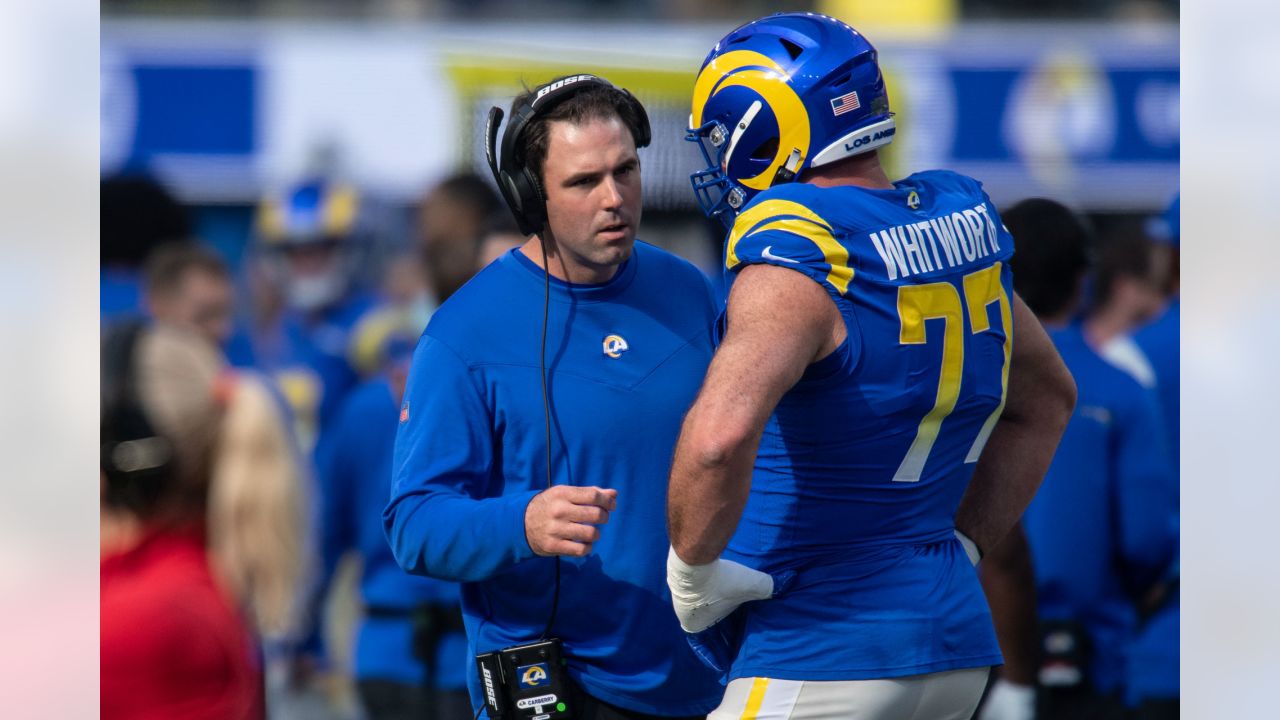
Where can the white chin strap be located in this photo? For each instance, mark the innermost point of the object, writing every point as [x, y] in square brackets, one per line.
[857, 142]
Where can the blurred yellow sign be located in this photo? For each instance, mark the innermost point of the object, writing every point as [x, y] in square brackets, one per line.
[897, 16]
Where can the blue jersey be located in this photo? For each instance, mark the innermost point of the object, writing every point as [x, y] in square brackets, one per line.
[862, 465]
[1160, 342]
[308, 358]
[1102, 528]
[353, 465]
[625, 360]
[1152, 661]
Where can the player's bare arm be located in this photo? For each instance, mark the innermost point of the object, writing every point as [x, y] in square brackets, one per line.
[1039, 402]
[779, 322]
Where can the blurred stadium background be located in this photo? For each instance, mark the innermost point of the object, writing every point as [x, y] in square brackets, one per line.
[223, 102]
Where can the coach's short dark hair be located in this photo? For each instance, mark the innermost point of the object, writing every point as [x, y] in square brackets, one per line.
[1053, 246]
[595, 103]
[170, 262]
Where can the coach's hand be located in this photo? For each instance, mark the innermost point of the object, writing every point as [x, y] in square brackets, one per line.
[703, 595]
[564, 519]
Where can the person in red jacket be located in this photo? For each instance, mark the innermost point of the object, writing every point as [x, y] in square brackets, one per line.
[201, 529]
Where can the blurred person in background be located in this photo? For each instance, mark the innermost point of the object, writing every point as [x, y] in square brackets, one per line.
[564, 541]
[304, 263]
[880, 409]
[406, 620]
[411, 656]
[406, 302]
[188, 286]
[410, 652]
[1153, 688]
[1129, 290]
[137, 215]
[497, 241]
[453, 216]
[1102, 528]
[202, 528]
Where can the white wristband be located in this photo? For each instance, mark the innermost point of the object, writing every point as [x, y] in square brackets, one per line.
[703, 595]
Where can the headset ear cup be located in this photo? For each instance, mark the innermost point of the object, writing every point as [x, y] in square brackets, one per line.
[513, 193]
[536, 201]
[646, 133]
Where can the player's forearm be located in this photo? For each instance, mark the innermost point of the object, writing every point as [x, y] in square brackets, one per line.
[710, 481]
[1009, 583]
[1006, 479]
[1040, 398]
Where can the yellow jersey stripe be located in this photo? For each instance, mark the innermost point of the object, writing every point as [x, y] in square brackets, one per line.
[802, 222]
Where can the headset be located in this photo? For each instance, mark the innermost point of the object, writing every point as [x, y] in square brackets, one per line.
[136, 461]
[518, 183]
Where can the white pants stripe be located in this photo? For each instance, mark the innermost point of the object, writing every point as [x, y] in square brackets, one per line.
[951, 695]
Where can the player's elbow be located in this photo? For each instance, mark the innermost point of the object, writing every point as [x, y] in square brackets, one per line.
[1051, 399]
[1060, 400]
[714, 444]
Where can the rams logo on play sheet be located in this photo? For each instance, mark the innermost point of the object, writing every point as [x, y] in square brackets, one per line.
[614, 346]
[532, 676]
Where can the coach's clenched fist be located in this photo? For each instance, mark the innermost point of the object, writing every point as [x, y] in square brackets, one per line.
[565, 520]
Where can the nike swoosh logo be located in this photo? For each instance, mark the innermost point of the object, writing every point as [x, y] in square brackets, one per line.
[770, 256]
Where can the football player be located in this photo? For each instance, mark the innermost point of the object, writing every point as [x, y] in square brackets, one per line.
[880, 409]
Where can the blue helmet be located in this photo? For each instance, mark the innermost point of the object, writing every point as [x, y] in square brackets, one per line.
[314, 210]
[778, 96]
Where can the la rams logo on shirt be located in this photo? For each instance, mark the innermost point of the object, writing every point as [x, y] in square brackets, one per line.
[913, 200]
[532, 676]
[614, 346]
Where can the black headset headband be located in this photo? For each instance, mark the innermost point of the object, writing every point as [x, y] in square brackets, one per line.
[517, 182]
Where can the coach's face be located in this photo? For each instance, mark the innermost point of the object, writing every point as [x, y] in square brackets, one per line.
[592, 181]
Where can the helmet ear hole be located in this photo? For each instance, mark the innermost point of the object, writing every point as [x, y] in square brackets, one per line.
[768, 150]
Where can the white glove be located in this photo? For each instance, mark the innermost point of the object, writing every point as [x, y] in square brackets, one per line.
[970, 548]
[703, 595]
[1008, 701]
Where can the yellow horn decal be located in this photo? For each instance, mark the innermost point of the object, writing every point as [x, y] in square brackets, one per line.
[717, 69]
[793, 121]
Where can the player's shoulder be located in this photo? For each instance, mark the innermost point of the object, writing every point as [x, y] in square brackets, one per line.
[795, 199]
[945, 181]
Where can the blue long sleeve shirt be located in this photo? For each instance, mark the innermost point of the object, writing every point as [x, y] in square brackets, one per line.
[1153, 660]
[625, 360]
[1102, 528]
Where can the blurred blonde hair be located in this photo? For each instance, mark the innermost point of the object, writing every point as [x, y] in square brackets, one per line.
[238, 463]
